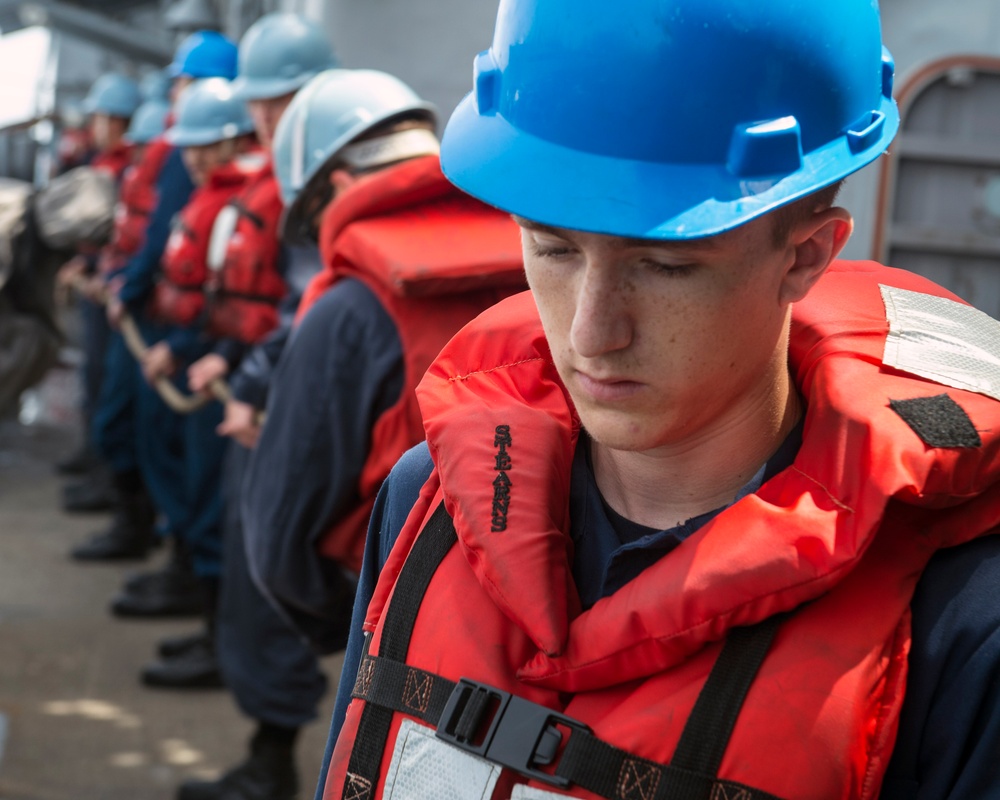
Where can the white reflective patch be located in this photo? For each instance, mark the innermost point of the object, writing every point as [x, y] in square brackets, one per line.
[424, 767]
[529, 793]
[222, 232]
[947, 342]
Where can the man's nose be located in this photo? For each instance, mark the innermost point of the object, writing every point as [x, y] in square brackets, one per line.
[602, 319]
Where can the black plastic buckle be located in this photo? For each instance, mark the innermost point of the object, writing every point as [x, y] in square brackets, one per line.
[505, 729]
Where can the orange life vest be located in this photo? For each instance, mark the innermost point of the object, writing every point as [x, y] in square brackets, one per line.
[434, 257]
[136, 202]
[179, 297]
[243, 295]
[816, 570]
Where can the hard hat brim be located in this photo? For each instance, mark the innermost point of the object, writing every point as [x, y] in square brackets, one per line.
[487, 157]
[247, 88]
[195, 137]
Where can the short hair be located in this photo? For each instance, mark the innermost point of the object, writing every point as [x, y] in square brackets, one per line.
[784, 219]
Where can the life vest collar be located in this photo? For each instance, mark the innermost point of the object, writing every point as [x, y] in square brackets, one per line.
[797, 537]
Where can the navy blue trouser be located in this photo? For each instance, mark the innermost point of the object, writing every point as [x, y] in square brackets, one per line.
[95, 332]
[113, 423]
[270, 668]
[181, 458]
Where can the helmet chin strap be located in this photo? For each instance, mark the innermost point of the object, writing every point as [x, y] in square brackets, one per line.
[392, 147]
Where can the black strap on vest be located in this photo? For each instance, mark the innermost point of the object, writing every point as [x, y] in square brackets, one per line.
[526, 736]
[255, 219]
[430, 548]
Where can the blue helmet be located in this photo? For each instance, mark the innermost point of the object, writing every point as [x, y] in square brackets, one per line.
[155, 85]
[148, 122]
[326, 115]
[670, 119]
[204, 54]
[278, 54]
[113, 94]
[207, 112]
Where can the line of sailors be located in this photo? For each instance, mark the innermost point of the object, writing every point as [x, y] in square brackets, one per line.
[283, 227]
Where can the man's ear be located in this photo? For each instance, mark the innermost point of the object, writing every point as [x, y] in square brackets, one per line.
[815, 243]
[341, 179]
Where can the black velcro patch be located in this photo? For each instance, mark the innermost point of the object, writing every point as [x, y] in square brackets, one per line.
[938, 420]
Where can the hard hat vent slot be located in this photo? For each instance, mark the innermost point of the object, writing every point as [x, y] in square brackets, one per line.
[766, 148]
[866, 131]
[487, 82]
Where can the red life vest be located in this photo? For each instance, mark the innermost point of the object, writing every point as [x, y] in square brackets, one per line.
[178, 297]
[244, 294]
[114, 161]
[434, 257]
[137, 200]
[830, 550]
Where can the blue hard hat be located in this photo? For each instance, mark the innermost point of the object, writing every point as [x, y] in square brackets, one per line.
[278, 54]
[207, 112]
[670, 119]
[113, 94]
[155, 85]
[148, 122]
[204, 54]
[328, 113]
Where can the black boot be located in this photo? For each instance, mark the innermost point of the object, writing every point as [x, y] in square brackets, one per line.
[95, 493]
[79, 463]
[171, 592]
[268, 774]
[194, 667]
[132, 532]
[173, 646]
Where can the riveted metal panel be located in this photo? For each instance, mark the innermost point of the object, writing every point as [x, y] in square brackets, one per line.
[945, 205]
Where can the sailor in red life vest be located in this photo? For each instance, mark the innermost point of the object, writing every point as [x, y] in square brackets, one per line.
[215, 135]
[707, 513]
[273, 674]
[130, 534]
[408, 260]
[137, 195]
[109, 105]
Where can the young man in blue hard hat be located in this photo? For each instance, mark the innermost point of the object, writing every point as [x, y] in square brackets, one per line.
[681, 525]
[215, 135]
[174, 590]
[131, 533]
[407, 259]
[109, 105]
[256, 283]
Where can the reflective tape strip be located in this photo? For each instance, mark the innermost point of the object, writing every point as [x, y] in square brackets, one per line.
[222, 232]
[942, 340]
[425, 768]
[390, 148]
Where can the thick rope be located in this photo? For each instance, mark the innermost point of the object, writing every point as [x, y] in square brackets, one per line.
[176, 399]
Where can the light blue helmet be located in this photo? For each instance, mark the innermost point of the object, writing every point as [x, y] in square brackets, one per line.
[204, 54]
[670, 119]
[327, 114]
[113, 94]
[207, 112]
[278, 54]
[155, 85]
[148, 122]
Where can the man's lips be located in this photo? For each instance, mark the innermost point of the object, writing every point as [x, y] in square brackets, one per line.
[607, 389]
